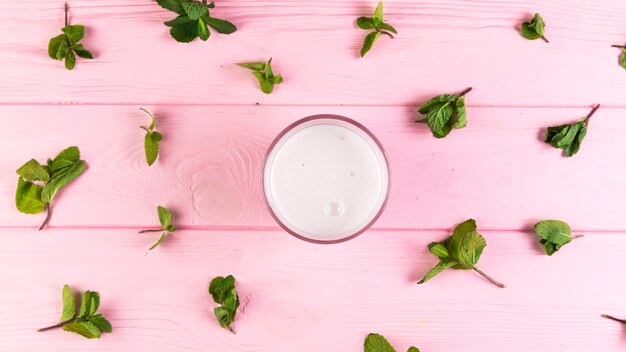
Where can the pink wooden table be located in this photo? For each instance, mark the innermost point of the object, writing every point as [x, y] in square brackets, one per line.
[298, 296]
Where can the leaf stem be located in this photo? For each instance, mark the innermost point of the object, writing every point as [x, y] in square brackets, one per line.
[145, 129]
[577, 236]
[618, 46]
[545, 39]
[144, 231]
[45, 221]
[384, 32]
[623, 321]
[492, 280]
[67, 7]
[465, 91]
[593, 111]
[57, 325]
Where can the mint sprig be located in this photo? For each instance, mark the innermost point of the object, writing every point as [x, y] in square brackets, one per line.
[444, 113]
[378, 24]
[151, 140]
[38, 184]
[85, 321]
[194, 20]
[534, 29]
[569, 136]
[622, 56]
[224, 293]
[623, 321]
[165, 218]
[554, 234]
[461, 251]
[66, 46]
[262, 70]
[378, 343]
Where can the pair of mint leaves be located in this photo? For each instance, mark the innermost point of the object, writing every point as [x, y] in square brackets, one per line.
[262, 70]
[378, 343]
[224, 293]
[622, 57]
[66, 46]
[193, 20]
[165, 218]
[446, 112]
[462, 250]
[85, 321]
[378, 24]
[38, 184]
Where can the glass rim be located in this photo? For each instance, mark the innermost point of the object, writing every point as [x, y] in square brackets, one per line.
[352, 122]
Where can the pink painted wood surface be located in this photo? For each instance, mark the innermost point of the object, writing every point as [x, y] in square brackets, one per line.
[298, 296]
[442, 46]
[496, 170]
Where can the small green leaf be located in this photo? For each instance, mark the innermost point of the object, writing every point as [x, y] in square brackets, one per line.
[165, 217]
[84, 328]
[74, 32]
[33, 171]
[266, 86]
[377, 19]
[61, 180]
[224, 292]
[387, 27]
[203, 30]
[438, 100]
[278, 79]
[221, 26]
[567, 137]
[69, 305]
[170, 228]
[82, 52]
[180, 20]
[554, 234]
[439, 118]
[368, 42]
[156, 136]
[439, 249]
[538, 24]
[151, 148]
[255, 66]
[622, 58]
[413, 349]
[365, 23]
[85, 305]
[102, 324]
[223, 316]
[185, 33]
[70, 60]
[28, 197]
[158, 242]
[445, 112]
[54, 45]
[534, 29]
[437, 269]
[195, 9]
[220, 286]
[377, 343]
[172, 5]
[71, 154]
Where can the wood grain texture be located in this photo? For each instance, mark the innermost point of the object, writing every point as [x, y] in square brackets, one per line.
[443, 46]
[298, 296]
[209, 173]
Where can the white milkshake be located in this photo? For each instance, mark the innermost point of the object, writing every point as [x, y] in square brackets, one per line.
[326, 178]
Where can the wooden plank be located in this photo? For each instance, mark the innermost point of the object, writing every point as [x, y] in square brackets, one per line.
[443, 46]
[298, 296]
[496, 170]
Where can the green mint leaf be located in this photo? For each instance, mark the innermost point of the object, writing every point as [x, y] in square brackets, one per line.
[569, 137]
[71, 154]
[221, 26]
[387, 27]
[444, 113]
[85, 304]
[377, 19]
[69, 305]
[439, 250]
[70, 60]
[534, 29]
[151, 148]
[28, 197]
[254, 66]
[170, 228]
[368, 42]
[54, 45]
[180, 20]
[58, 181]
[211, 5]
[377, 343]
[185, 33]
[33, 171]
[158, 242]
[553, 234]
[264, 74]
[74, 33]
[195, 9]
[83, 328]
[278, 79]
[622, 58]
[464, 246]
[413, 349]
[266, 86]
[156, 136]
[203, 30]
[172, 5]
[365, 23]
[165, 217]
[80, 51]
[224, 292]
[102, 324]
